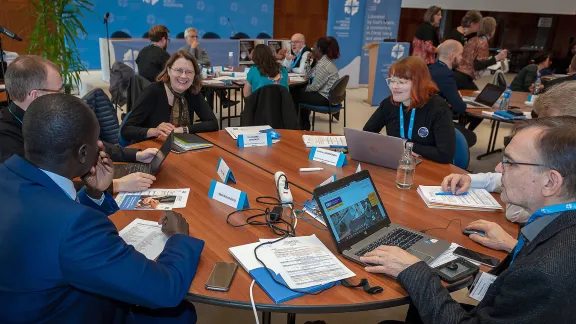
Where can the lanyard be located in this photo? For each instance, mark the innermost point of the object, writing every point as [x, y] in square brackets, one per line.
[442, 63]
[298, 57]
[410, 127]
[541, 213]
[20, 120]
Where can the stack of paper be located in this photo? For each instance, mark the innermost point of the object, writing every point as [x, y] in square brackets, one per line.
[189, 142]
[248, 130]
[476, 199]
[325, 141]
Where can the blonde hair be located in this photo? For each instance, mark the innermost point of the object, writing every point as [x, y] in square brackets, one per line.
[487, 27]
[557, 101]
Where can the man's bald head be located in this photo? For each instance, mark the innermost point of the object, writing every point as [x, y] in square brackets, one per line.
[298, 41]
[450, 52]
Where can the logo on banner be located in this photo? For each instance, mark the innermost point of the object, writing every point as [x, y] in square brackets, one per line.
[189, 20]
[223, 21]
[351, 7]
[254, 21]
[150, 19]
[398, 51]
[264, 8]
[123, 3]
[377, 2]
[201, 5]
[234, 6]
[151, 2]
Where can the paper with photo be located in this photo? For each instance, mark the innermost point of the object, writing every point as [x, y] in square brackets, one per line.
[153, 199]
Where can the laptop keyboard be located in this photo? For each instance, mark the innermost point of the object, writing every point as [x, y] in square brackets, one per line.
[137, 167]
[398, 237]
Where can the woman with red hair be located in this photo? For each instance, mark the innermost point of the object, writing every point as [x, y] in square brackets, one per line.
[415, 112]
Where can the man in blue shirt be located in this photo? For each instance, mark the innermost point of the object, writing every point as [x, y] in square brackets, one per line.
[449, 57]
[62, 258]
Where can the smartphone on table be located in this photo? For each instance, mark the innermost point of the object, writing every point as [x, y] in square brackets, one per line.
[476, 256]
[221, 276]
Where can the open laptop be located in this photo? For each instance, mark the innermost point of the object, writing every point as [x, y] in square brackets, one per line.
[358, 222]
[375, 148]
[124, 169]
[487, 98]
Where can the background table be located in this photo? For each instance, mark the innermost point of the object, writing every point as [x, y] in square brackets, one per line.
[253, 169]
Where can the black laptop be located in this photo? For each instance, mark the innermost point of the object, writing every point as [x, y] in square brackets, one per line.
[487, 98]
[124, 169]
[359, 223]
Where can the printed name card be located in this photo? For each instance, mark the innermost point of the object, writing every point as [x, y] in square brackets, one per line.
[251, 140]
[228, 195]
[327, 156]
[224, 171]
[329, 180]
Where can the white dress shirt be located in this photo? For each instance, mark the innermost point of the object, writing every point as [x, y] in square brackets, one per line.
[299, 69]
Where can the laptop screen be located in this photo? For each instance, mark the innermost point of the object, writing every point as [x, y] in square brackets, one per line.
[490, 94]
[162, 154]
[352, 209]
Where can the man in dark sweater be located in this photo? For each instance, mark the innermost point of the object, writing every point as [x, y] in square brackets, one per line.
[152, 58]
[29, 77]
[535, 282]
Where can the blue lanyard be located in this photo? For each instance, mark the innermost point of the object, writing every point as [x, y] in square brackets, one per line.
[298, 57]
[442, 63]
[410, 127]
[20, 120]
[541, 213]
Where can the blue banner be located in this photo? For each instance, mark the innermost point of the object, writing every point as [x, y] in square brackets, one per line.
[135, 17]
[388, 53]
[345, 23]
[381, 24]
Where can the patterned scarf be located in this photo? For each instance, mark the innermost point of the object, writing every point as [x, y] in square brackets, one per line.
[179, 115]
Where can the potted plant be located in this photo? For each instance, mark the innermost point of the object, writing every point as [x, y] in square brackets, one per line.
[57, 26]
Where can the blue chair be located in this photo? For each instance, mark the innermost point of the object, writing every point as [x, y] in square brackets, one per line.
[122, 142]
[120, 34]
[180, 35]
[462, 156]
[240, 35]
[263, 36]
[146, 35]
[211, 35]
[337, 100]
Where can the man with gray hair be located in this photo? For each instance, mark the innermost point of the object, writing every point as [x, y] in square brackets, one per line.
[193, 47]
[295, 61]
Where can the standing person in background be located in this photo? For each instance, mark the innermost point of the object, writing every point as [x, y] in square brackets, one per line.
[426, 39]
[476, 57]
[152, 58]
[468, 28]
[296, 61]
[525, 79]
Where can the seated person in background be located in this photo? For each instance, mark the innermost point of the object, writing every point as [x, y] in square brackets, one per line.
[476, 56]
[415, 105]
[426, 39]
[468, 28]
[323, 76]
[296, 61]
[571, 76]
[152, 58]
[265, 71]
[81, 270]
[29, 77]
[528, 75]
[561, 65]
[449, 57]
[559, 101]
[535, 282]
[170, 103]
[193, 47]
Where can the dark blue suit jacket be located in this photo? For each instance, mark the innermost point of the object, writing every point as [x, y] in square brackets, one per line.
[444, 79]
[63, 262]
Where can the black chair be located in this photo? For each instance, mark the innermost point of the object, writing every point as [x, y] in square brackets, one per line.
[337, 100]
[120, 34]
[240, 35]
[263, 36]
[146, 35]
[211, 35]
[180, 35]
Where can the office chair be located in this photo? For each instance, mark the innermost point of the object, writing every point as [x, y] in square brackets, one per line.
[263, 36]
[120, 34]
[210, 35]
[122, 142]
[180, 35]
[146, 35]
[240, 35]
[337, 99]
[462, 156]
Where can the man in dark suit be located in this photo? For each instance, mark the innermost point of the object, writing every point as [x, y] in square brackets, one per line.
[535, 282]
[62, 258]
[449, 57]
[571, 76]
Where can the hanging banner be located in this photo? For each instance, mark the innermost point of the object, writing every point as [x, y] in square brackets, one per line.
[346, 23]
[388, 53]
[381, 24]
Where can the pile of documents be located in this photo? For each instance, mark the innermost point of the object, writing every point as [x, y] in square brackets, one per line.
[188, 145]
[475, 199]
[325, 141]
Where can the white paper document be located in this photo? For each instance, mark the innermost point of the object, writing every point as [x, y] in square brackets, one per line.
[448, 256]
[153, 199]
[476, 199]
[305, 262]
[481, 284]
[145, 236]
[324, 141]
[235, 131]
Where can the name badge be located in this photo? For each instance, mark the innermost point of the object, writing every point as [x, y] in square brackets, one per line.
[358, 168]
[327, 156]
[329, 180]
[251, 140]
[224, 171]
[228, 195]
[482, 282]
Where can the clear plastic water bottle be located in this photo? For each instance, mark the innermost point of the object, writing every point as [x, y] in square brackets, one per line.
[230, 59]
[505, 103]
[537, 85]
[406, 168]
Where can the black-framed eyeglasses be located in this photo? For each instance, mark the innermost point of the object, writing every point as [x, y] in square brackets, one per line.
[506, 161]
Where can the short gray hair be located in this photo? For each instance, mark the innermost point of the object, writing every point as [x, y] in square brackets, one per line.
[27, 73]
[190, 30]
[559, 100]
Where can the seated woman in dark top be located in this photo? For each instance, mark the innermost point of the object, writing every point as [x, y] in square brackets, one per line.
[524, 80]
[170, 103]
[415, 112]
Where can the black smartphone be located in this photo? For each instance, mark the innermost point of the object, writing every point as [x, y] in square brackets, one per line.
[476, 256]
[221, 276]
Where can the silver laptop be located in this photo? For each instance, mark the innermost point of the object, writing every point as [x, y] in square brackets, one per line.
[487, 98]
[375, 148]
[358, 222]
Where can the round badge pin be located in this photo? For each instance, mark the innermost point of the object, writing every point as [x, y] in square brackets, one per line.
[423, 132]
